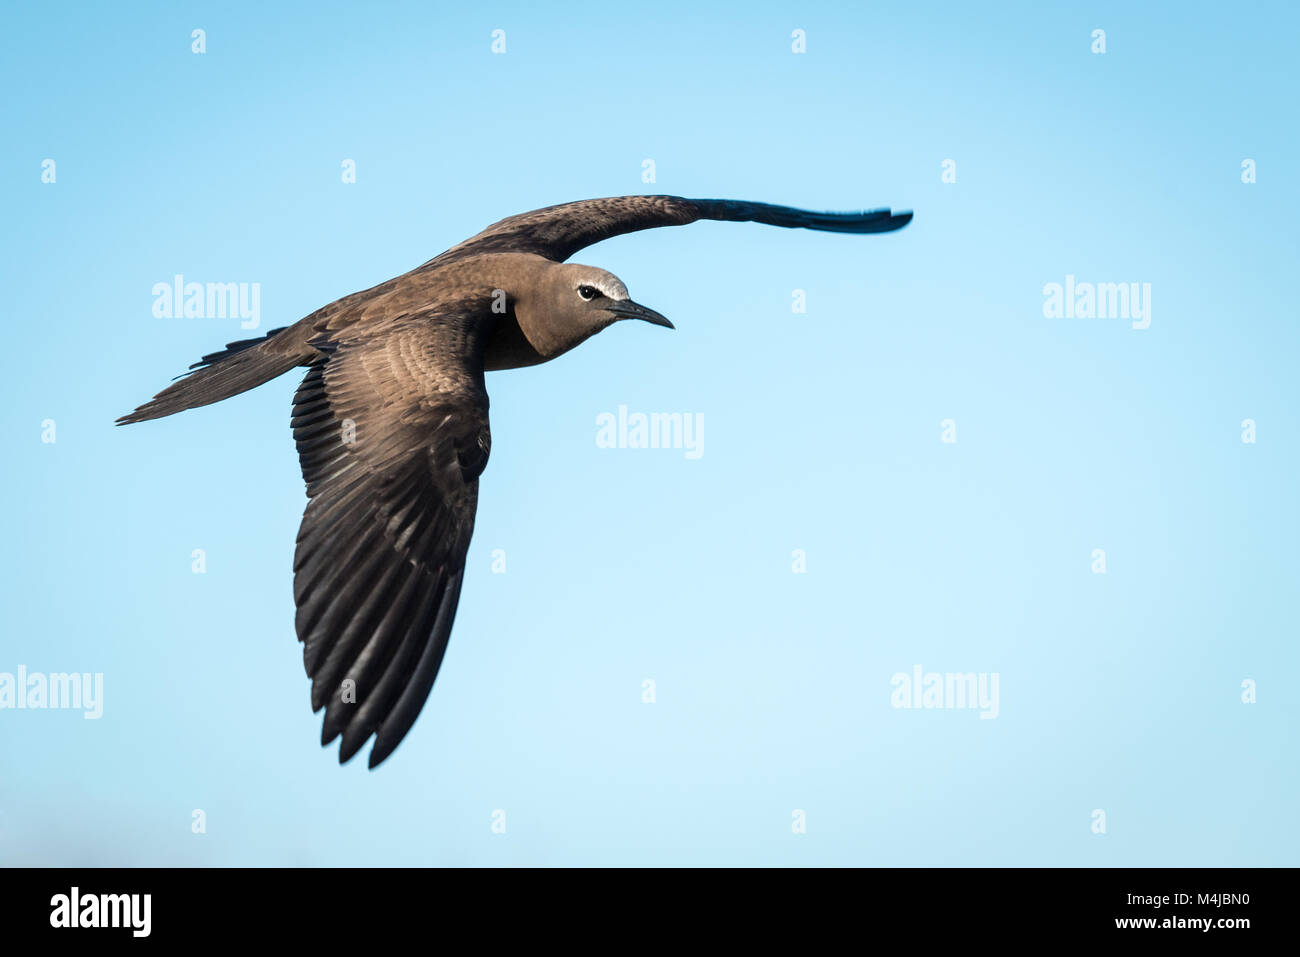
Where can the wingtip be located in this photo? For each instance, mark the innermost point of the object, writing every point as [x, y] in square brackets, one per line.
[349, 750]
[140, 414]
[380, 752]
[327, 734]
[345, 754]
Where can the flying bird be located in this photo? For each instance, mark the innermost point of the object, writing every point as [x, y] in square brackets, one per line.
[391, 423]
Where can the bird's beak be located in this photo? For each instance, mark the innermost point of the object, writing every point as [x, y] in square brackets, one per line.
[627, 309]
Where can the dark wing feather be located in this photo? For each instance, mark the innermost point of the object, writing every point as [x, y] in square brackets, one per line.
[392, 433]
[557, 232]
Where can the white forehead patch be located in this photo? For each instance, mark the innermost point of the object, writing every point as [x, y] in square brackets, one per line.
[609, 285]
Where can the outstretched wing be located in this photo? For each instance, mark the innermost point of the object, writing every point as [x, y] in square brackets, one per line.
[557, 232]
[392, 433]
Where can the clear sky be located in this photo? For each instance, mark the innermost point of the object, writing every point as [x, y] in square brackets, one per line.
[774, 736]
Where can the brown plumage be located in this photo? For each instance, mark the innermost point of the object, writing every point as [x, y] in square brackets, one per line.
[391, 423]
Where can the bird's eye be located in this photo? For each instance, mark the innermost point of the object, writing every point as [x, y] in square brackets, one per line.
[588, 292]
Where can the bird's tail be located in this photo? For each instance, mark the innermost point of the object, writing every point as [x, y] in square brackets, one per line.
[241, 366]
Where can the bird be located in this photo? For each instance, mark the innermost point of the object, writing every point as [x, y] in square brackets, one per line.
[391, 426]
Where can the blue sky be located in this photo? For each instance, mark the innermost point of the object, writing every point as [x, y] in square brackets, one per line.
[822, 432]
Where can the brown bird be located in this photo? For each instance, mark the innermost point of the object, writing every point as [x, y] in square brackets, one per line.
[391, 422]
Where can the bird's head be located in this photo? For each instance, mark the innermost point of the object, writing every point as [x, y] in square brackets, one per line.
[571, 303]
